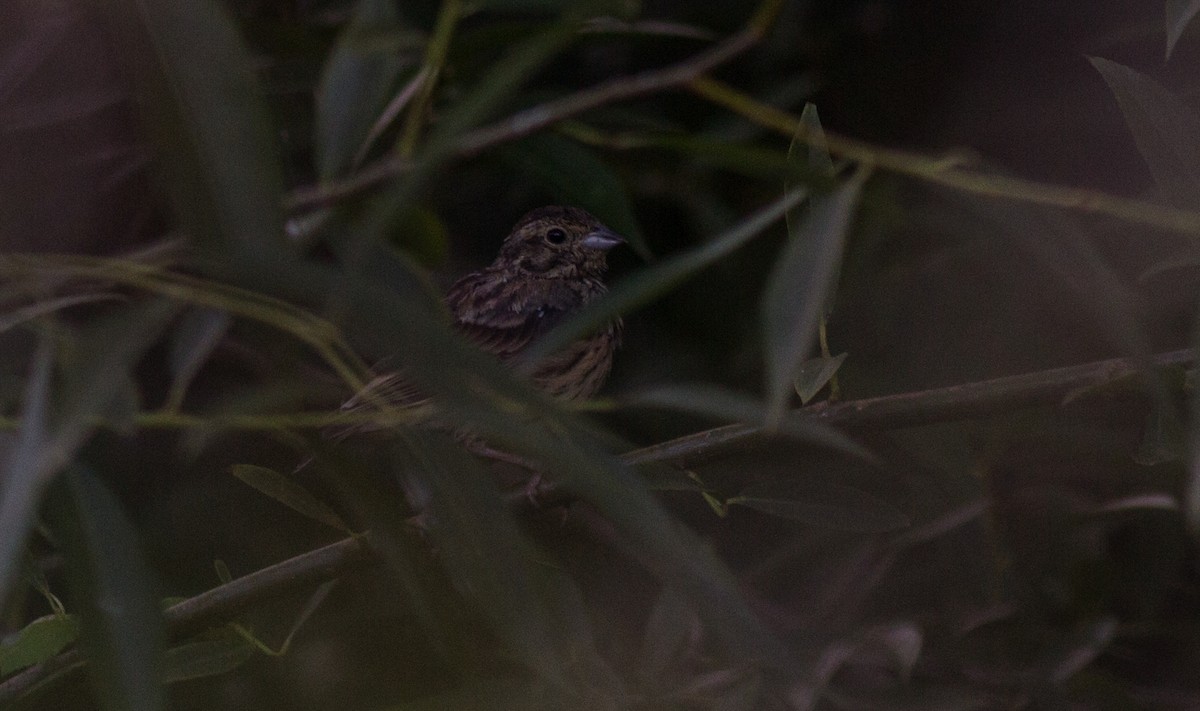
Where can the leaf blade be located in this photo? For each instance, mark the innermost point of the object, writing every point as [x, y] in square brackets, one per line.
[799, 287]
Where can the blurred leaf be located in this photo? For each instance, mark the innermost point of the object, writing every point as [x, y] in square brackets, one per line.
[196, 660]
[814, 373]
[121, 626]
[705, 150]
[576, 176]
[57, 420]
[733, 406]
[22, 314]
[422, 234]
[903, 642]
[287, 492]
[1164, 128]
[486, 555]
[660, 278]
[813, 153]
[314, 601]
[1180, 14]
[358, 80]
[1137, 505]
[800, 285]
[828, 506]
[37, 641]
[745, 694]
[481, 693]
[193, 341]
[1081, 648]
[672, 629]
[203, 105]
[1162, 439]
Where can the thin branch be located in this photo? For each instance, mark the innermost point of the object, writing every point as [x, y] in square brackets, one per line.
[949, 172]
[956, 402]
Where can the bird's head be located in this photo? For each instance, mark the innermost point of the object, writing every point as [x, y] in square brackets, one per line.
[559, 242]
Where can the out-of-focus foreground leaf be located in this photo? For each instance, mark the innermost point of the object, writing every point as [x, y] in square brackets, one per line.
[360, 77]
[121, 627]
[59, 418]
[1166, 130]
[1180, 14]
[37, 641]
[203, 107]
[494, 567]
[797, 291]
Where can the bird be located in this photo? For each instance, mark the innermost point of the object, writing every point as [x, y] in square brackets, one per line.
[551, 265]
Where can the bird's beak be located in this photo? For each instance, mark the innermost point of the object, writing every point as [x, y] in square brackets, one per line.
[602, 239]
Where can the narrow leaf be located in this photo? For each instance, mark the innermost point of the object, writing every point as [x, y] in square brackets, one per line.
[360, 77]
[196, 660]
[202, 104]
[49, 436]
[797, 290]
[287, 492]
[37, 641]
[828, 506]
[814, 374]
[672, 627]
[1180, 14]
[1165, 130]
[198, 334]
[484, 553]
[121, 627]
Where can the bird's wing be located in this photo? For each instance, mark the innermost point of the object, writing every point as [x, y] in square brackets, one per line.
[504, 317]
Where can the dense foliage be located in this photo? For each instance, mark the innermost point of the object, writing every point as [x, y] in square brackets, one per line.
[891, 428]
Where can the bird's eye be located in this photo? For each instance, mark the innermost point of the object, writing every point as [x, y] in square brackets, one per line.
[556, 236]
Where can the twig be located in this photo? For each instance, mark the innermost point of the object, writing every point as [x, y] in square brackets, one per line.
[949, 173]
[956, 402]
[970, 400]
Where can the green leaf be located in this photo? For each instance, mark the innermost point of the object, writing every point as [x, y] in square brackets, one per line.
[204, 108]
[827, 506]
[814, 373]
[359, 79]
[37, 641]
[121, 626]
[800, 286]
[576, 176]
[287, 492]
[660, 278]
[197, 335]
[1164, 128]
[59, 418]
[1162, 439]
[197, 660]
[672, 626]
[486, 555]
[1180, 14]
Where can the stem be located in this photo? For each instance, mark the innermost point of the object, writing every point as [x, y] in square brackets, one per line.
[435, 59]
[949, 172]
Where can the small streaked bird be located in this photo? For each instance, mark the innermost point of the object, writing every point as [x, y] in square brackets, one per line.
[551, 265]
